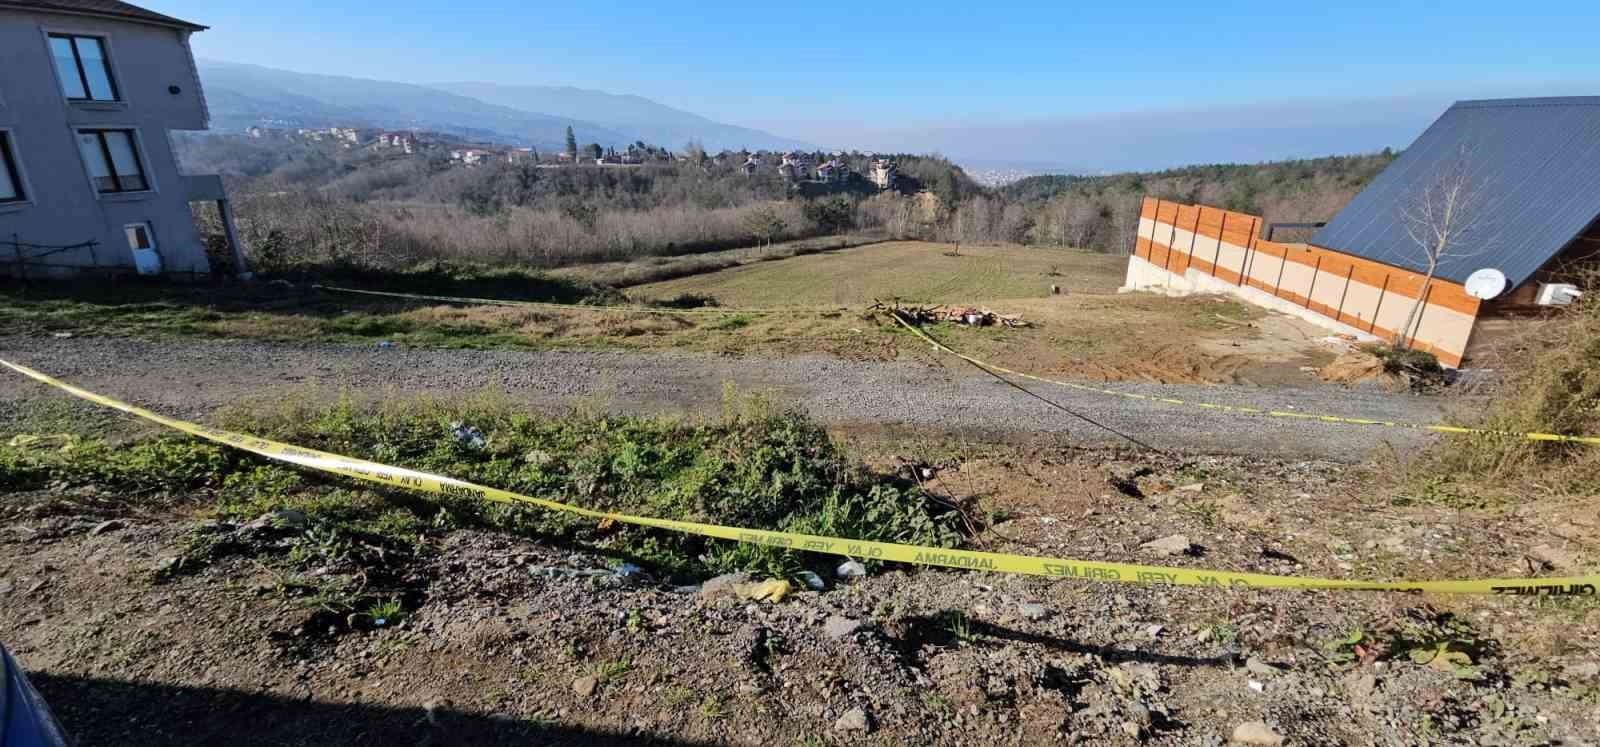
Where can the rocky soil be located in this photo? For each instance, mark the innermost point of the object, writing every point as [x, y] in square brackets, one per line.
[135, 639]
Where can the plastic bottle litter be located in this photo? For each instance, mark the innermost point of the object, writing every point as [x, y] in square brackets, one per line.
[467, 436]
[627, 570]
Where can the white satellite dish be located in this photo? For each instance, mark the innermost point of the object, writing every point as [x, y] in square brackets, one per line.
[1486, 283]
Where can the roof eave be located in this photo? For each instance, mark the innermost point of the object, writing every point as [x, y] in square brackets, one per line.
[172, 23]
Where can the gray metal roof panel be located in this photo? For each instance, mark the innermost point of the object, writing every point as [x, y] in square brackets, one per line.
[1536, 163]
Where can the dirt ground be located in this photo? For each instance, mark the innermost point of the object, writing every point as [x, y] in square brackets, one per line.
[138, 630]
[512, 639]
[928, 389]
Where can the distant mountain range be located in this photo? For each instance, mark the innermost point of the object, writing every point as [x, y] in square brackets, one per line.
[240, 96]
[652, 122]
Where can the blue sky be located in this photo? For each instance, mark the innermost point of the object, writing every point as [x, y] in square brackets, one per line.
[837, 71]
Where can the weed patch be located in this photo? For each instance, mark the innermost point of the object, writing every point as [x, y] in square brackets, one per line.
[755, 467]
[1556, 390]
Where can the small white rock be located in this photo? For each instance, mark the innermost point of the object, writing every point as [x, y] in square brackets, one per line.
[1258, 733]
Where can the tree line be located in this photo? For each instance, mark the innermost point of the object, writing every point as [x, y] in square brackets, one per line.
[301, 203]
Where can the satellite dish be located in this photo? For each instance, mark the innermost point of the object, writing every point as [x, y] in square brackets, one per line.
[1486, 283]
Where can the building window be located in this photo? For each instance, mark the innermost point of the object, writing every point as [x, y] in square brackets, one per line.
[113, 160]
[82, 66]
[10, 177]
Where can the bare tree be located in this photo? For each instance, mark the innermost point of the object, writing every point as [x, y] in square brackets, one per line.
[901, 218]
[1080, 223]
[1446, 217]
[765, 224]
[1125, 225]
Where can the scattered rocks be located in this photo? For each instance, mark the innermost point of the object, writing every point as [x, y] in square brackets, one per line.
[1587, 670]
[850, 569]
[855, 719]
[282, 518]
[839, 626]
[1554, 558]
[1256, 732]
[1360, 685]
[584, 687]
[1033, 611]
[111, 525]
[1175, 544]
[723, 586]
[1256, 666]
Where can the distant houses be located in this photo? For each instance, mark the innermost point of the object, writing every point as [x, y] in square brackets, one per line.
[794, 167]
[833, 171]
[405, 142]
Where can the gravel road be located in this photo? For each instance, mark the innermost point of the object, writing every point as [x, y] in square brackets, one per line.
[191, 378]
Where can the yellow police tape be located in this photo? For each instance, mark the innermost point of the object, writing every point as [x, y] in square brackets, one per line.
[1242, 409]
[573, 306]
[934, 556]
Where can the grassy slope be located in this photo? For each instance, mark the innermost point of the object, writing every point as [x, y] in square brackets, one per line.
[914, 271]
[1083, 332]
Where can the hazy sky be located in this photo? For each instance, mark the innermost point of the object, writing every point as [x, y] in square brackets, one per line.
[843, 73]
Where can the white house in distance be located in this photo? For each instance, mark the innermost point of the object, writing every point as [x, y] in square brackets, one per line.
[89, 93]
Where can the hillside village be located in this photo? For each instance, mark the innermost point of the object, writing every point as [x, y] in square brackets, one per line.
[792, 166]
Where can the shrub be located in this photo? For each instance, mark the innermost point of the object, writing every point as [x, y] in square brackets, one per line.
[1555, 389]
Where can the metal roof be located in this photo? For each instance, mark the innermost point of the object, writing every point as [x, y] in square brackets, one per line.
[1534, 163]
[105, 8]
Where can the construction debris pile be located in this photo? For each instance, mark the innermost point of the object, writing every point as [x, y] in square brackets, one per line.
[972, 316]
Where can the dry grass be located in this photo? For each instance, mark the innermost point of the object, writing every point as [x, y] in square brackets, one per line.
[915, 271]
[657, 269]
[1552, 386]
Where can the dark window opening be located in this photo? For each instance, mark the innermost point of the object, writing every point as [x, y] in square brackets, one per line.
[10, 179]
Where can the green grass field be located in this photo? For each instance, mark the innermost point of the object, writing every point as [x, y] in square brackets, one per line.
[913, 271]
